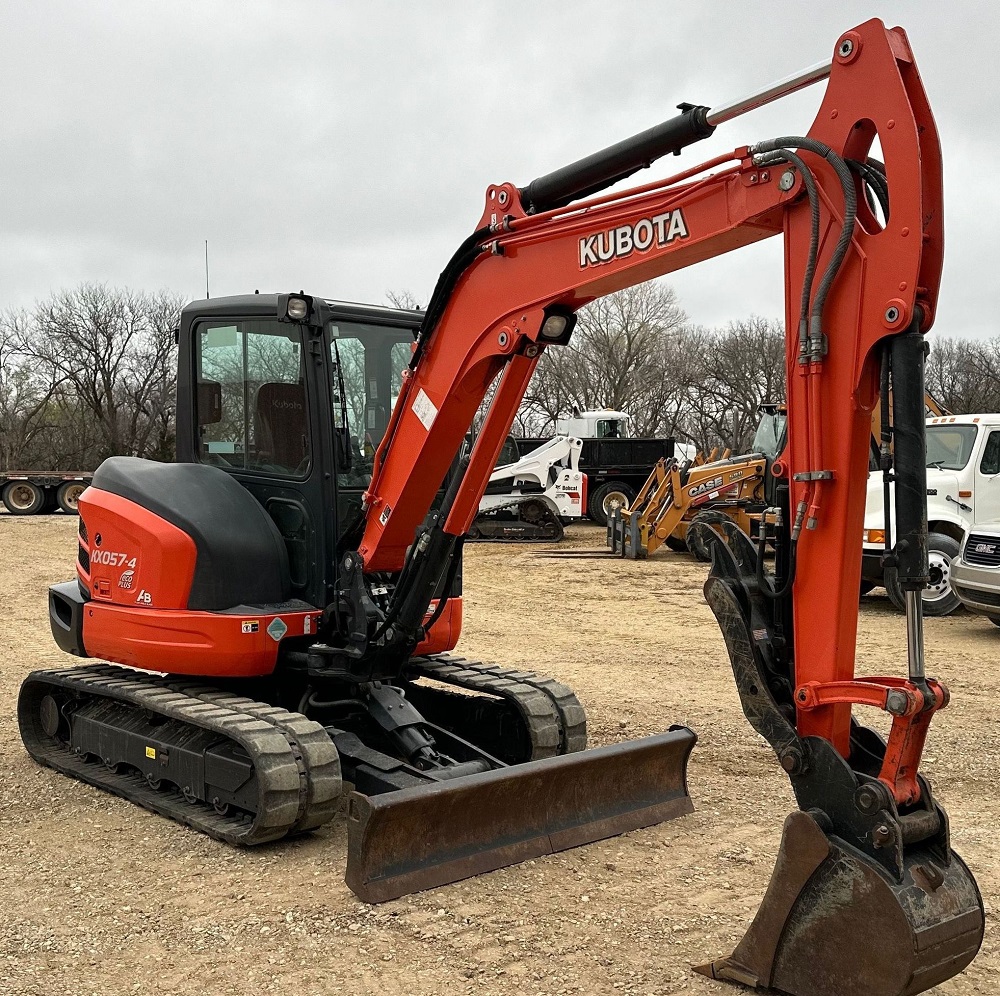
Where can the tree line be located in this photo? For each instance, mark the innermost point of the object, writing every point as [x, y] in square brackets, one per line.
[90, 372]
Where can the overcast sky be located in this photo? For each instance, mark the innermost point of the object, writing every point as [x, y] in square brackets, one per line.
[345, 147]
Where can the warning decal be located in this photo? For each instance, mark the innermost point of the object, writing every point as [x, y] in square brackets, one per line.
[424, 409]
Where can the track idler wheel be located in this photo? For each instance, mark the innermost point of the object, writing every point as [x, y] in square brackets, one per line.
[833, 922]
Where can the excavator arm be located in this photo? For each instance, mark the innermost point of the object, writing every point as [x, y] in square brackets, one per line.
[869, 850]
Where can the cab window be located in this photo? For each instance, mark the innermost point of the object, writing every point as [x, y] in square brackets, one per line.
[990, 463]
[607, 428]
[251, 397]
[949, 446]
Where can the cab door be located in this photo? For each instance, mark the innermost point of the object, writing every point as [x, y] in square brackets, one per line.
[261, 395]
[987, 489]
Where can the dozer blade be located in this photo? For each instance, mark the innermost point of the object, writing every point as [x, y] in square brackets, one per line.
[834, 923]
[420, 838]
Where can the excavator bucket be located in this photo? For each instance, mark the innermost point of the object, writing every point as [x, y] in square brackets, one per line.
[834, 922]
[420, 838]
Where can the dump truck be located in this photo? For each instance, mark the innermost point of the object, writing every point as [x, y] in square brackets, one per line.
[283, 613]
[615, 462]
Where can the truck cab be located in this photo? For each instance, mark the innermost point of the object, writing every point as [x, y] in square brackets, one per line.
[963, 489]
[603, 424]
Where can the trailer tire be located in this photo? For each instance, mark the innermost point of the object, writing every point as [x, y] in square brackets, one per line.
[938, 598]
[68, 496]
[23, 498]
[609, 496]
[866, 586]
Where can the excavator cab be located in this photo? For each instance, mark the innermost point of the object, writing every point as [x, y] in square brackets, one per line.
[293, 410]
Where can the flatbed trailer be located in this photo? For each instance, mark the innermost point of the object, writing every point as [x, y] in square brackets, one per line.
[33, 492]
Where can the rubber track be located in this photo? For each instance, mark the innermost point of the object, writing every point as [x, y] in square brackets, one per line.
[321, 787]
[556, 722]
[484, 522]
[280, 745]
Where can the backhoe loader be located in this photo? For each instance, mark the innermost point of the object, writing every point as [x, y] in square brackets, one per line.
[282, 603]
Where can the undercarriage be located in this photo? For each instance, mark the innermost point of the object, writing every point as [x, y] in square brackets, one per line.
[248, 770]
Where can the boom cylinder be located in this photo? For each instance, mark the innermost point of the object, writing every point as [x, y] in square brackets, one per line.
[604, 168]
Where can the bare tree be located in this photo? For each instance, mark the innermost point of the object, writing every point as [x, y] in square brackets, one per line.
[624, 354]
[964, 374]
[27, 390]
[403, 299]
[111, 354]
[741, 367]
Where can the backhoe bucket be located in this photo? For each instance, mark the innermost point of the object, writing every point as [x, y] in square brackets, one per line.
[420, 838]
[834, 923]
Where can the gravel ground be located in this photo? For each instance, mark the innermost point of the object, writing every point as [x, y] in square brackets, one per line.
[98, 896]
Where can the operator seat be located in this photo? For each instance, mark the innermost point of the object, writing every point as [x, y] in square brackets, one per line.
[280, 427]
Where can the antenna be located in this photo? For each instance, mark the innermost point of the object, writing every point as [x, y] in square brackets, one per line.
[207, 294]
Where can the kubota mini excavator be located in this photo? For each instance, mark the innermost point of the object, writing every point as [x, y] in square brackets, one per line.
[294, 607]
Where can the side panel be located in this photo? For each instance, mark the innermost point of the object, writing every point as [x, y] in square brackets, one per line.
[207, 644]
[446, 630]
[130, 556]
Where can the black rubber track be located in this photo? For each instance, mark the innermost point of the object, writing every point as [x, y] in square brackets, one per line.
[555, 720]
[282, 746]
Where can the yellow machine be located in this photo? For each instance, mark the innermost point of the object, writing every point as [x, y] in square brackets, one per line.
[674, 493]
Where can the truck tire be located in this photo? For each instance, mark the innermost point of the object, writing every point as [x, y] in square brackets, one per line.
[23, 498]
[938, 598]
[68, 496]
[608, 497]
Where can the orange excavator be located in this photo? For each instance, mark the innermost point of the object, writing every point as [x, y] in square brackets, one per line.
[281, 599]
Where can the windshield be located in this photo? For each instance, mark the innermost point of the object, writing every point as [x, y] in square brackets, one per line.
[371, 361]
[768, 437]
[950, 446]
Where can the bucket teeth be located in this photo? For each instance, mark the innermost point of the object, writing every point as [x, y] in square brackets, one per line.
[833, 922]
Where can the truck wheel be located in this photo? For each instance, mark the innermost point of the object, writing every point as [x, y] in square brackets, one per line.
[608, 497]
[68, 496]
[23, 498]
[937, 599]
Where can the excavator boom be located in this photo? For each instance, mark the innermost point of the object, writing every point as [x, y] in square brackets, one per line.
[861, 290]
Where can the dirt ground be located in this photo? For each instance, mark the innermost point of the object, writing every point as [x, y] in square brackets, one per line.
[98, 896]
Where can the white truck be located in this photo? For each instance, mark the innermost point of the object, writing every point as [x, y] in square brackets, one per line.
[963, 489]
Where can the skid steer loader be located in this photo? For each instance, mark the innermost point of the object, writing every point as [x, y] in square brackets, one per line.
[528, 499]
